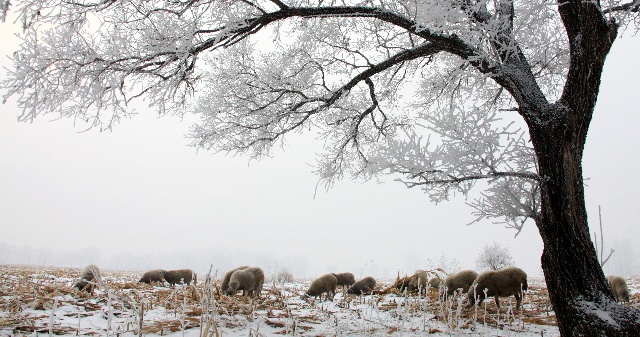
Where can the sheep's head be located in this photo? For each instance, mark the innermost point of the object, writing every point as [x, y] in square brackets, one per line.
[625, 296]
[472, 295]
[233, 288]
[84, 285]
[312, 292]
[81, 284]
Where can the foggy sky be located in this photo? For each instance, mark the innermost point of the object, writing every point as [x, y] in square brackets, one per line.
[139, 198]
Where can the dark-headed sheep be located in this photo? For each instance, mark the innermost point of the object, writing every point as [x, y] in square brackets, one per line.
[180, 276]
[505, 282]
[323, 284]
[90, 275]
[153, 276]
[248, 280]
[364, 286]
[460, 280]
[345, 279]
[619, 288]
[227, 277]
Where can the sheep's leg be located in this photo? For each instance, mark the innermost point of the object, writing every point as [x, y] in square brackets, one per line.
[497, 301]
[518, 301]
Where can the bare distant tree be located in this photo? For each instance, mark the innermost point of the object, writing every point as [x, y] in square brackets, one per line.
[443, 93]
[494, 257]
[600, 246]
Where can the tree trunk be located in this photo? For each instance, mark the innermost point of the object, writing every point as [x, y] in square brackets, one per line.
[579, 292]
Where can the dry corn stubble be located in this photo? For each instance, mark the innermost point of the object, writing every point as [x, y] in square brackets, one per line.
[28, 295]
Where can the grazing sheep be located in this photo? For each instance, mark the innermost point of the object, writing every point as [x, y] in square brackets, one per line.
[345, 279]
[460, 280]
[363, 286]
[418, 281]
[410, 283]
[90, 274]
[400, 284]
[180, 276]
[619, 288]
[156, 275]
[245, 280]
[258, 275]
[323, 284]
[227, 277]
[504, 282]
[435, 282]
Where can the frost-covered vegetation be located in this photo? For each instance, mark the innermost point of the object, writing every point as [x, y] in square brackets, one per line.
[43, 300]
[494, 257]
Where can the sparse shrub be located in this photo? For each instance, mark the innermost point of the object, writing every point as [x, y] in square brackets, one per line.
[443, 264]
[284, 276]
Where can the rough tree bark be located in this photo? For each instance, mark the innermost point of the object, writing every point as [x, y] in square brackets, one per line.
[579, 292]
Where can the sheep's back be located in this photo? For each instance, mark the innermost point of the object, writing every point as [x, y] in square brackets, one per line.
[258, 274]
[362, 286]
[245, 279]
[504, 282]
[462, 279]
[90, 272]
[227, 278]
[179, 275]
[345, 279]
[325, 283]
[152, 276]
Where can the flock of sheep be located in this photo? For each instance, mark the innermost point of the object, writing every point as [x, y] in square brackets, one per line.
[510, 281]
[91, 277]
[505, 282]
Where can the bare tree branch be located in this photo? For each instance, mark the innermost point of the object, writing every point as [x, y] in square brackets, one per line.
[633, 6]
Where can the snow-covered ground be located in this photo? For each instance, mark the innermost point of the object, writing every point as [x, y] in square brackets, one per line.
[40, 301]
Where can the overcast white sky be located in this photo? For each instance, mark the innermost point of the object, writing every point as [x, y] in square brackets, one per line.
[140, 198]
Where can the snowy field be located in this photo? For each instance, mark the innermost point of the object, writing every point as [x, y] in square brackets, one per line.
[41, 301]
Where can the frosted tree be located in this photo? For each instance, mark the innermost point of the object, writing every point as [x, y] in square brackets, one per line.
[283, 276]
[494, 257]
[445, 95]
